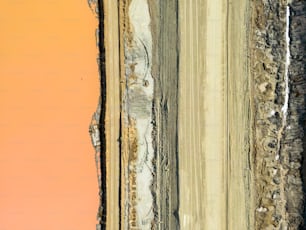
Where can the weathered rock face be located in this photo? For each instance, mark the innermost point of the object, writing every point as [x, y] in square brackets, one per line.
[295, 138]
[277, 63]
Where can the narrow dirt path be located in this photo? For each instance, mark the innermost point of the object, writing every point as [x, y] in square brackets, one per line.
[112, 119]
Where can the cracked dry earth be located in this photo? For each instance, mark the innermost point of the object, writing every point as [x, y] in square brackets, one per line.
[201, 118]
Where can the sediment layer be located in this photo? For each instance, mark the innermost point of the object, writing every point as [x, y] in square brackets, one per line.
[136, 114]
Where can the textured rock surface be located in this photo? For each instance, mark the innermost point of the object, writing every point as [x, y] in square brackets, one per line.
[278, 114]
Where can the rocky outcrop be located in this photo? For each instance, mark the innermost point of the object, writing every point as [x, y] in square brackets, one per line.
[279, 89]
[295, 141]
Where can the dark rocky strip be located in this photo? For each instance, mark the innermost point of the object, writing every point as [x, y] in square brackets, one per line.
[103, 190]
[165, 109]
[295, 141]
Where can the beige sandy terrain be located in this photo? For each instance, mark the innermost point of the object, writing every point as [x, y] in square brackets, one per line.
[203, 115]
[213, 99]
[213, 116]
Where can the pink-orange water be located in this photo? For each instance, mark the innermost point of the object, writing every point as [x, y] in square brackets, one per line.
[48, 92]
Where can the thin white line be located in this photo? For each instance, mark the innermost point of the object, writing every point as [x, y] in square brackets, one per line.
[285, 106]
[284, 109]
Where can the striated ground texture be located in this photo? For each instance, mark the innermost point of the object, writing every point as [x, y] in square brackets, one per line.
[201, 118]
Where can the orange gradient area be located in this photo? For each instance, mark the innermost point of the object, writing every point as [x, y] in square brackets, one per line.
[49, 89]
